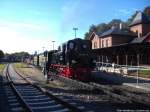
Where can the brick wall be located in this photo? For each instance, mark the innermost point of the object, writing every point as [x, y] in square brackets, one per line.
[145, 28]
[96, 42]
[115, 40]
[142, 29]
[106, 42]
[137, 29]
[121, 39]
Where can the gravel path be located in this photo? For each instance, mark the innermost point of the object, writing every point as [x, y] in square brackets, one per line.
[92, 103]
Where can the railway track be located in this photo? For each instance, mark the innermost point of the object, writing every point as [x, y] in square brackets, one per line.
[118, 94]
[27, 97]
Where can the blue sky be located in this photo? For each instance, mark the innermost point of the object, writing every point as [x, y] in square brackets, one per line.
[29, 25]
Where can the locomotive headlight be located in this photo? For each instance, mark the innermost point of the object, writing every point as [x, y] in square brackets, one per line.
[73, 61]
[71, 45]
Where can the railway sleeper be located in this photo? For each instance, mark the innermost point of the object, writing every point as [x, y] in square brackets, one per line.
[138, 98]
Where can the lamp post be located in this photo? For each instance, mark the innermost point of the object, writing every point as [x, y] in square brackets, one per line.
[53, 44]
[75, 29]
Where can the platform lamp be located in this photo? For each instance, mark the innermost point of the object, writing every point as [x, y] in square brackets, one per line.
[53, 44]
[75, 29]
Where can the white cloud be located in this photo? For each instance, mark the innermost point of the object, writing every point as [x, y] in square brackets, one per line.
[125, 12]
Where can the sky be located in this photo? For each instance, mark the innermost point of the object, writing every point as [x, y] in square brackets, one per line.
[32, 25]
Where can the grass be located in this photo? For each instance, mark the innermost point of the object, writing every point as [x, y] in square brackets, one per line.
[2, 68]
[20, 65]
[144, 72]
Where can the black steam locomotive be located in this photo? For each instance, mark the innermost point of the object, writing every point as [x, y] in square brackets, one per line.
[72, 59]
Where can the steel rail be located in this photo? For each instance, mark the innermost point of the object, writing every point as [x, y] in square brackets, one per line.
[47, 93]
[24, 103]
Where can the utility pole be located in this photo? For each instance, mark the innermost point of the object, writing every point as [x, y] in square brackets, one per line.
[75, 29]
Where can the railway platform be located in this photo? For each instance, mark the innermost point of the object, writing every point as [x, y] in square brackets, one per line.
[133, 81]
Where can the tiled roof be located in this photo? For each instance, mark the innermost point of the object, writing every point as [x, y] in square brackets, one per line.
[140, 18]
[141, 39]
[137, 40]
[117, 31]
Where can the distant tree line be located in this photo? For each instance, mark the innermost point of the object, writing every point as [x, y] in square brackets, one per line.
[18, 56]
[1, 54]
[115, 22]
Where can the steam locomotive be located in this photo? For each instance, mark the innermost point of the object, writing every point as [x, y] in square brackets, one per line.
[72, 59]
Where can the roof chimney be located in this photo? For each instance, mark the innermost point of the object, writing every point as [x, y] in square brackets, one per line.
[120, 26]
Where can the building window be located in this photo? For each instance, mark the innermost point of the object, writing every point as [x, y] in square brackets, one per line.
[102, 43]
[95, 44]
[107, 43]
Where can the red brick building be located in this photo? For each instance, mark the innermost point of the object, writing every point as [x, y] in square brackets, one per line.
[96, 40]
[124, 46]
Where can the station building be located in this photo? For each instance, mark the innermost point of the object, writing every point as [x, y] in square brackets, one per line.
[124, 47]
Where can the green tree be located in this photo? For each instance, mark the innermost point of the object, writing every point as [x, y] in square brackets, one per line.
[147, 11]
[115, 22]
[131, 18]
[1, 54]
[102, 27]
[92, 29]
[86, 36]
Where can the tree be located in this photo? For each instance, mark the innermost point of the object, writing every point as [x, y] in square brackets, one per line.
[102, 27]
[1, 54]
[114, 22]
[131, 18]
[92, 29]
[147, 11]
[86, 36]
